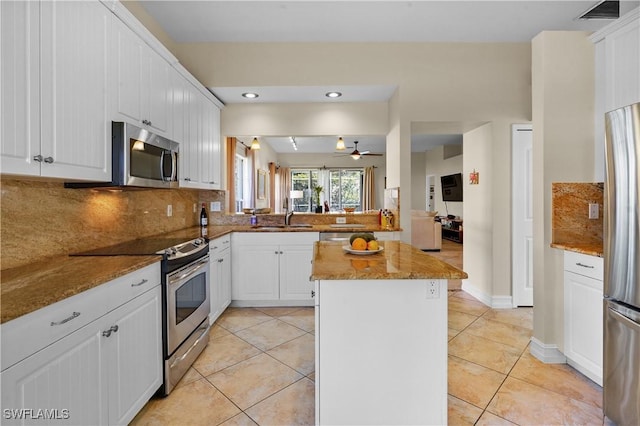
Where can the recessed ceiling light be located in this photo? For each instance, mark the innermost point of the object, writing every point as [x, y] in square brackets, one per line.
[333, 94]
[250, 95]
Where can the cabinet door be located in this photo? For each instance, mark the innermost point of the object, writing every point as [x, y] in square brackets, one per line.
[210, 149]
[190, 148]
[76, 129]
[225, 279]
[134, 355]
[583, 324]
[623, 66]
[295, 270]
[66, 377]
[19, 87]
[255, 272]
[156, 84]
[177, 107]
[127, 64]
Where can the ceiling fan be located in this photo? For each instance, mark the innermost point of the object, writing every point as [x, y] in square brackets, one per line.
[355, 154]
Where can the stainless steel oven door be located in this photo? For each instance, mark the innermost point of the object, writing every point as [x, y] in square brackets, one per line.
[187, 301]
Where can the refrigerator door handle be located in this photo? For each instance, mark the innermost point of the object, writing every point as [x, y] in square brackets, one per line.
[626, 321]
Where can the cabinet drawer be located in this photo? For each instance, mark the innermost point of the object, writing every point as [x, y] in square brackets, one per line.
[219, 244]
[30, 333]
[583, 264]
[132, 285]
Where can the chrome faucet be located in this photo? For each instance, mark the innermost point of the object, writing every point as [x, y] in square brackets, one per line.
[287, 217]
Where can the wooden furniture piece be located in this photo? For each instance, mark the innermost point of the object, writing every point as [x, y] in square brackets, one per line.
[452, 230]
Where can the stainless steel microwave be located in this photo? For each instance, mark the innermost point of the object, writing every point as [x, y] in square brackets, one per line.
[139, 159]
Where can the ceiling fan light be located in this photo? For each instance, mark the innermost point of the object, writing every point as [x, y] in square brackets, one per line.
[340, 145]
[355, 155]
[255, 145]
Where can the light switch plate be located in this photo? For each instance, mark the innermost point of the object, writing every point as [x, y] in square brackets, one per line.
[594, 210]
[215, 206]
[341, 220]
[169, 210]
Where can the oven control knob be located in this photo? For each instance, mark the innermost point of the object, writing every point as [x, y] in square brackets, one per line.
[198, 241]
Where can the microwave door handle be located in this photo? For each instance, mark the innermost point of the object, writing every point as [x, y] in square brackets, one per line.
[174, 166]
[162, 175]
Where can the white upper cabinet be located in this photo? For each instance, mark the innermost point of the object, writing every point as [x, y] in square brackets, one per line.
[141, 91]
[54, 89]
[200, 147]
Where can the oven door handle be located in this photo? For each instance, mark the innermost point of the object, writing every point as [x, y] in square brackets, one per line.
[188, 351]
[189, 272]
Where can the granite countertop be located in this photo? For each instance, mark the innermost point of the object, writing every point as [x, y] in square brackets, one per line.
[590, 248]
[27, 288]
[398, 260]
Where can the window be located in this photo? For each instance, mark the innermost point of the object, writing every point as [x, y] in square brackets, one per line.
[241, 183]
[342, 188]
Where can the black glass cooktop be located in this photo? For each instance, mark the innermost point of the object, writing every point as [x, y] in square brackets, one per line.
[146, 246]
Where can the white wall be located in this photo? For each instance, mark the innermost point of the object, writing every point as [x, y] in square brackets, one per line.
[436, 165]
[418, 181]
[478, 251]
[563, 139]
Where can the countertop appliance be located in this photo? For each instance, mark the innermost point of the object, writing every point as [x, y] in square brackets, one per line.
[139, 158]
[185, 297]
[621, 382]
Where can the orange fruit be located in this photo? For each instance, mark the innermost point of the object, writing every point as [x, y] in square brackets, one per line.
[359, 244]
[373, 245]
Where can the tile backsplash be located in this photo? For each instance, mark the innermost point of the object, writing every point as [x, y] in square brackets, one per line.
[43, 219]
[570, 212]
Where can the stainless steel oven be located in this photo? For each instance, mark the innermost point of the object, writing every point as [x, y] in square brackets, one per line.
[187, 307]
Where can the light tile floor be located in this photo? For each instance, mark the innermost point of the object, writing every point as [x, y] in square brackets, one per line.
[259, 369]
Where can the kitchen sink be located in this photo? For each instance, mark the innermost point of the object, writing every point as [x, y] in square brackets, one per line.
[280, 227]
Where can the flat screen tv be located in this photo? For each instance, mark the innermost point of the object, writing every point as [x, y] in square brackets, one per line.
[451, 187]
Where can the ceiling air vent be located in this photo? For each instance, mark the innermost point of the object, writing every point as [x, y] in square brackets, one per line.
[603, 10]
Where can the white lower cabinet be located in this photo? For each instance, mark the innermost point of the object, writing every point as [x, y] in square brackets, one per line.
[100, 373]
[220, 286]
[583, 317]
[272, 268]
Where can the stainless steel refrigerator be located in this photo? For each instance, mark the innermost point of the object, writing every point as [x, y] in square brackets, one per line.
[621, 384]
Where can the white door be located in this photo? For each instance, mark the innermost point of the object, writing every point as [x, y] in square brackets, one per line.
[522, 211]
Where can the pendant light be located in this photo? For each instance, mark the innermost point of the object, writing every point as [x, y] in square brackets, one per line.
[340, 145]
[255, 145]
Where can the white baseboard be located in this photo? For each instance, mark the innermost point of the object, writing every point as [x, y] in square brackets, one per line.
[549, 354]
[495, 302]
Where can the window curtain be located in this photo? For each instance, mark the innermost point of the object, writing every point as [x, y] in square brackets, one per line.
[284, 188]
[368, 190]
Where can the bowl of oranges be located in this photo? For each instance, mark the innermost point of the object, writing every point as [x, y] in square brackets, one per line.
[363, 244]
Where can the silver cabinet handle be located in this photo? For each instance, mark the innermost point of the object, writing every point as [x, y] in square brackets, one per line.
[73, 315]
[113, 329]
[220, 260]
[313, 293]
[38, 158]
[585, 266]
[147, 122]
[48, 160]
[187, 179]
[140, 283]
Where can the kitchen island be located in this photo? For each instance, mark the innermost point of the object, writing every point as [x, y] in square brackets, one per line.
[381, 335]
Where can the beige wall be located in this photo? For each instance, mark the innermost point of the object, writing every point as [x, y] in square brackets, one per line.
[418, 181]
[563, 140]
[437, 82]
[479, 225]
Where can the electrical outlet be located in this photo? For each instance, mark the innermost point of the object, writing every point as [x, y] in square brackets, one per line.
[215, 206]
[195, 207]
[341, 220]
[433, 289]
[169, 210]
[594, 210]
